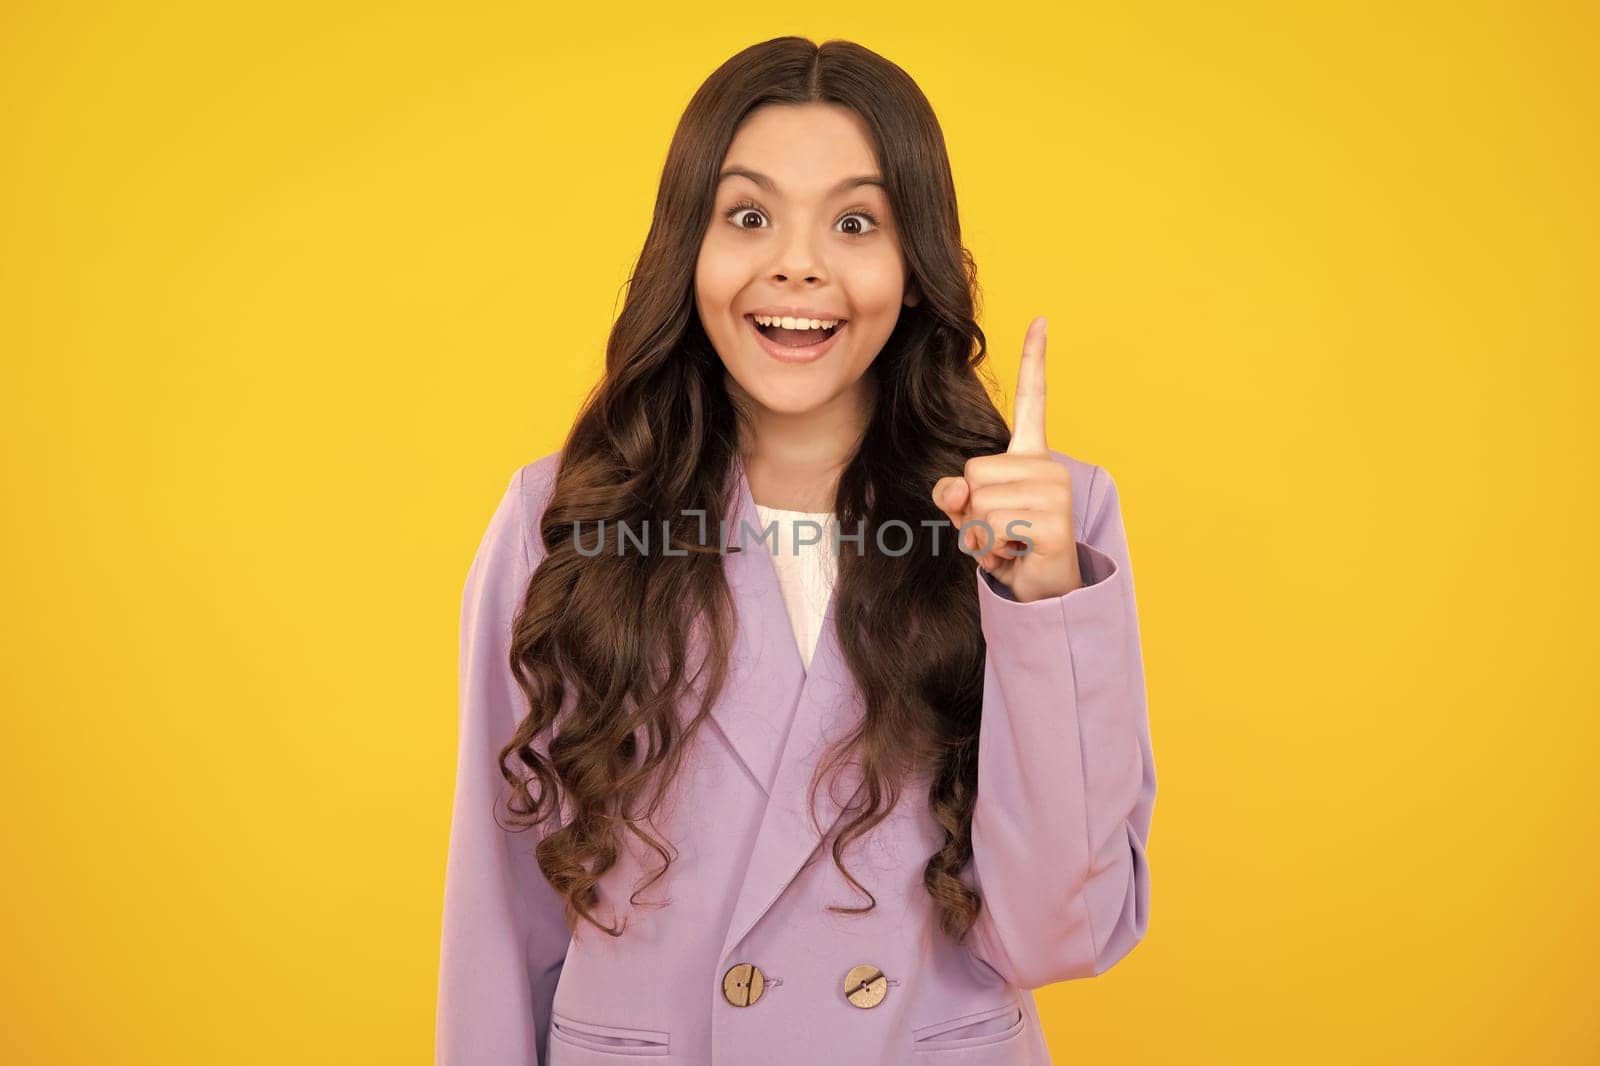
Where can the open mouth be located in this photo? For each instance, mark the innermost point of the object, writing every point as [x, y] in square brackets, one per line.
[796, 338]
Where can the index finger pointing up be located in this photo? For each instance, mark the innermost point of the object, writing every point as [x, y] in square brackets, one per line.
[1027, 430]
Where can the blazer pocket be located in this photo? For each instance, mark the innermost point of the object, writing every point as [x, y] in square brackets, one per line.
[613, 1039]
[978, 1029]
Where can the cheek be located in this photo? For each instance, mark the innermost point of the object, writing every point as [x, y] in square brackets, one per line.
[718, 278]
[704, 273]
[877, 285]
[718, 281]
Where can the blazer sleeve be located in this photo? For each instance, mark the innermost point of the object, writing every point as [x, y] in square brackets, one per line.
[1066, 777]
[504, 936]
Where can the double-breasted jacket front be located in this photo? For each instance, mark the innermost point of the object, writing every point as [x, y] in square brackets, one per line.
[746, 965]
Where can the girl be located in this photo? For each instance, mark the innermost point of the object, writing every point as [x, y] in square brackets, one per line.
[717, 805]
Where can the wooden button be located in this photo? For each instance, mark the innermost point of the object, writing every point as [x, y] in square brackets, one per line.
[865, 986]
[743, 984]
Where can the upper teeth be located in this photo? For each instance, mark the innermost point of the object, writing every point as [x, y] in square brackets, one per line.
[796, 323]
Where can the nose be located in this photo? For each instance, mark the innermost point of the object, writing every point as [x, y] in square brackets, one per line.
[798, 257]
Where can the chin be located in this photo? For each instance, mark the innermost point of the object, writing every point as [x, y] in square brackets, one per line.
[789, 398]
[790, 403]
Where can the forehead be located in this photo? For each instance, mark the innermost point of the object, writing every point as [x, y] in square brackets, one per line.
[806, 149]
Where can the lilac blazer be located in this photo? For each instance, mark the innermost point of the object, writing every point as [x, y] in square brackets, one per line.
[1066, 790]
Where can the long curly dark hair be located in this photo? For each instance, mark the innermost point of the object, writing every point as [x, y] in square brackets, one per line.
[602, 639]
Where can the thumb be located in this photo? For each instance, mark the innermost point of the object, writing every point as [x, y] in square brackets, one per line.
[951, 494]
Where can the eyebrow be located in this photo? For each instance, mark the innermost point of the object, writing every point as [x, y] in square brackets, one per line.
[772, 186]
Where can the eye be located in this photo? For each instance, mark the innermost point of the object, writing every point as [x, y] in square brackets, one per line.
[858, 232]
[740, 212]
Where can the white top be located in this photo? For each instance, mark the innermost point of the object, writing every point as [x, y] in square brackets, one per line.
[806, 579]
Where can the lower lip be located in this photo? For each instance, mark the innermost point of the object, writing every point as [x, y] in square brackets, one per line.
[785, 354]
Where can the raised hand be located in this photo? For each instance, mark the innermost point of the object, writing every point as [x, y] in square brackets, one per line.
[1019, 503]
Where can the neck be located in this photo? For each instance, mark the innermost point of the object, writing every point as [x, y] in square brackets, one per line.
[794, 461]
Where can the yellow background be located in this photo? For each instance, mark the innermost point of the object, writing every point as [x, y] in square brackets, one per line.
[287, 294]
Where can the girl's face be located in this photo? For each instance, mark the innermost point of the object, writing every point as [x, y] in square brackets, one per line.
[793, 233]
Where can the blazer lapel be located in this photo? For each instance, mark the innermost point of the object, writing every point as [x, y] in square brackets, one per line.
[780, 718]
[765, 673]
